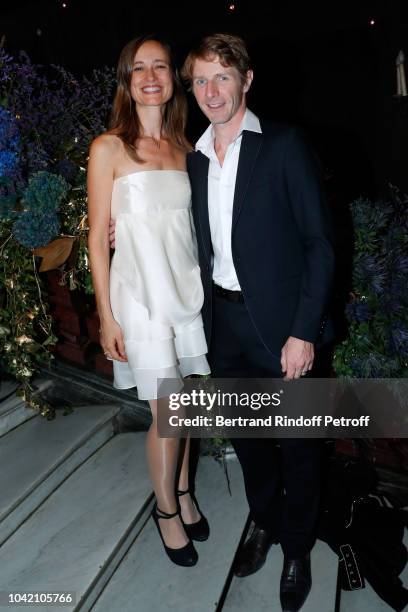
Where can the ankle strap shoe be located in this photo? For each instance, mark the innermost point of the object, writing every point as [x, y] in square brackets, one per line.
[200, 530]
[185, 556]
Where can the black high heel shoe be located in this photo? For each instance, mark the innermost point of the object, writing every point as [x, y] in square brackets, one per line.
[200, 530]
[185, 556]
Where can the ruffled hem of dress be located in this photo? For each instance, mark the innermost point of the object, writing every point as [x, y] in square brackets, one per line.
[157, 366]
[155, 351]
[158, 382]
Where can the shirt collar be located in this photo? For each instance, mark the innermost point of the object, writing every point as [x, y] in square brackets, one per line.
[250, 122]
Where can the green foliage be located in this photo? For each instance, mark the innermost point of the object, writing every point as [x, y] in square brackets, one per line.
[377, 342]
[47, 120]
[25, 326]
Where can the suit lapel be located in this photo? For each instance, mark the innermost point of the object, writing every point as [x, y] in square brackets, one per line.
[201, 202]
[250, 147]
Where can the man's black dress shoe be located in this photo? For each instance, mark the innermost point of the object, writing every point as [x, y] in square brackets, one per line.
[295, 584]
[253, 554]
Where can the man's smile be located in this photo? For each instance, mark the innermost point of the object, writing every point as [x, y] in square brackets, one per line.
[215, 105]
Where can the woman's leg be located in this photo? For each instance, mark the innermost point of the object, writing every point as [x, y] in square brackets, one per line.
[188, 510]
[162, 458]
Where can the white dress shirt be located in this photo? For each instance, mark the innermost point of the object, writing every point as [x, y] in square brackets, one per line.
[221, 188]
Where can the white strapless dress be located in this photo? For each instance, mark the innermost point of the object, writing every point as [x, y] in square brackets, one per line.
[155, 286]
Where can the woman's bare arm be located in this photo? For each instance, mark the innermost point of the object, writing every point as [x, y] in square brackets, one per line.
[100, 184]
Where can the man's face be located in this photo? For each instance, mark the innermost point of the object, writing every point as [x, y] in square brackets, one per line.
[218, 89]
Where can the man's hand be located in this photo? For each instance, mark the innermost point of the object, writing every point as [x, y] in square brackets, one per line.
[112, 224]
[296, 358]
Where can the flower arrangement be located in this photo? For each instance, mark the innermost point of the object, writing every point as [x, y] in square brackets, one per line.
[377, 341]
[38, 222]
[48, 118]
[9, 144]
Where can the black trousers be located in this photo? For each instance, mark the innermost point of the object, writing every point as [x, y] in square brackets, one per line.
[282, 477]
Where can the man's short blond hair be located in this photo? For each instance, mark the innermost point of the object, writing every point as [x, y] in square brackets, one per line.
[231, 50]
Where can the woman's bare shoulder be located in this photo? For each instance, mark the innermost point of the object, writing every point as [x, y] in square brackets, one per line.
[106, 143]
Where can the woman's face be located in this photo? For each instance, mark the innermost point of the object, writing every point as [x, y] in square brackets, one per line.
[152, 81]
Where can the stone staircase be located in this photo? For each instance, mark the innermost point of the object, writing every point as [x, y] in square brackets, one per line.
[75, 516]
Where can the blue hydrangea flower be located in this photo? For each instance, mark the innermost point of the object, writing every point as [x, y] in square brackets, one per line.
[8, 162]
[36, 229]
[44, 192]
[9, 143]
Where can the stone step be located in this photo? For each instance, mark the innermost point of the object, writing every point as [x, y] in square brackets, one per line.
[147, 580]
[7, 388]
[95, 389]
[14, 410]
[41, 454]
[260, 591]
[71, 542]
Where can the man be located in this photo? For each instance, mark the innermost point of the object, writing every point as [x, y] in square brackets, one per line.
[266, 263]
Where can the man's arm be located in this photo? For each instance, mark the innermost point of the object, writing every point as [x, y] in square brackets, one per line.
[304, 185]
[309, 206]
[112, 225]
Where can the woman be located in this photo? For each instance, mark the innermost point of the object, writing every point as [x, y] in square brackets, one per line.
[149, 301]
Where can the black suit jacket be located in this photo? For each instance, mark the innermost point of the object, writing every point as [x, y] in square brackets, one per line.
[281, 235]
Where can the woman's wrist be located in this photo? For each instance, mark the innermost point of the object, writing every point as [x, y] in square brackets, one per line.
[105, 318]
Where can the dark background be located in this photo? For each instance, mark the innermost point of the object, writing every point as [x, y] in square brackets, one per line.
[320, 65]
